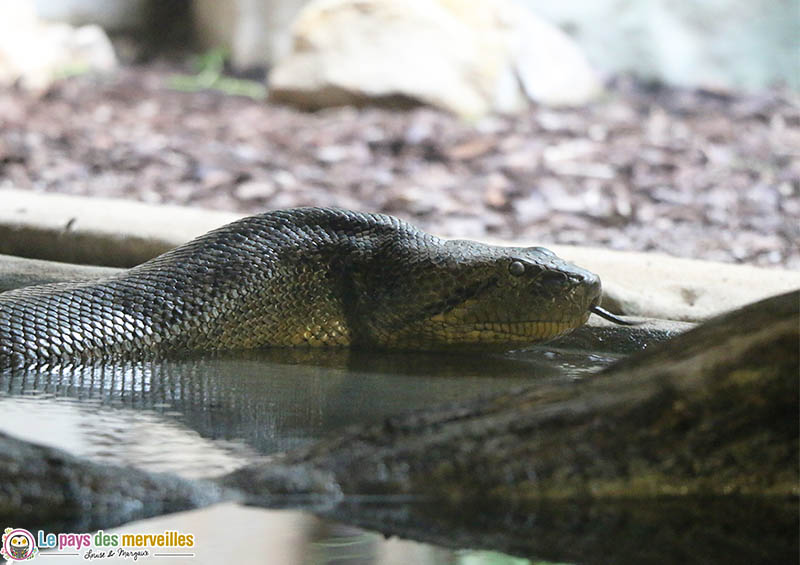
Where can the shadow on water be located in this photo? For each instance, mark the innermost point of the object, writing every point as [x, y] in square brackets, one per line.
[705, 530]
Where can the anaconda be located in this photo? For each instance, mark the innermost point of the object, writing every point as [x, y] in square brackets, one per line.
[304, 277]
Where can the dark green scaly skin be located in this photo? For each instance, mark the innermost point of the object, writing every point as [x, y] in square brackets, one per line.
[303, 277]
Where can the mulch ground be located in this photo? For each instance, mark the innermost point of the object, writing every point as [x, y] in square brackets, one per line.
[686, 172]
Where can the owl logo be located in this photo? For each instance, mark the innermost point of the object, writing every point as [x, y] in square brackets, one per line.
[18, 545]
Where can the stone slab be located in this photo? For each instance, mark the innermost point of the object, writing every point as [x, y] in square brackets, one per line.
[96, 231]
[653, 285]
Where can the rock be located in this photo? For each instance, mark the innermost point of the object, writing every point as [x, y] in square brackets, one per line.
[718, 45]
[469, 58]
[550, 66]
[111, 15]
[35, 53]
[255, 31]
[670, 288]
[49, 489]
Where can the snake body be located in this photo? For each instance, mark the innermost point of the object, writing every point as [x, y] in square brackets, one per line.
[303, 277]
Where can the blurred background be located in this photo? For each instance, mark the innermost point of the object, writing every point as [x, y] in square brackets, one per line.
[650, 125]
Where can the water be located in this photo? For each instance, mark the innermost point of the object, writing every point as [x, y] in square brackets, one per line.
[202, 417]
[205, 416]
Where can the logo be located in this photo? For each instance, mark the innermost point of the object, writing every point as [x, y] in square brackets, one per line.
[21, 545]
[18, 545]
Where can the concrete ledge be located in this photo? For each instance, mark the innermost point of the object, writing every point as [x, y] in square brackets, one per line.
[652, 285]
[123, 233]
[96, 231]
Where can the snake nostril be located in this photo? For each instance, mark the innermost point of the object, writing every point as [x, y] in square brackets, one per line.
[587, 280]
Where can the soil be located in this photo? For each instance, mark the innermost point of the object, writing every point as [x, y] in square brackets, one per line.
[691, 173]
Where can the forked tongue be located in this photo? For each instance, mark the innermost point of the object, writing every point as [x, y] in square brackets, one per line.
[610, 317]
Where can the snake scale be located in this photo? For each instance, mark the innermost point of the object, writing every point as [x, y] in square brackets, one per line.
[304, 277]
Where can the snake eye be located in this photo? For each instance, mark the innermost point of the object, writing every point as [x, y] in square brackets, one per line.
[516, 268]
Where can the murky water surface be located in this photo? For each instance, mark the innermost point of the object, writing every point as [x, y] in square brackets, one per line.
[201, 417]
[206, 416]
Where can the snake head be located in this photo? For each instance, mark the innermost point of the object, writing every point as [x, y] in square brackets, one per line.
[464, 294]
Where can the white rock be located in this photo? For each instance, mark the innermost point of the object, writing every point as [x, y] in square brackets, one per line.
[35, 53]
[550, 66]
[255, 31]
[714, 43]
[112, 15]
[470, 57]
